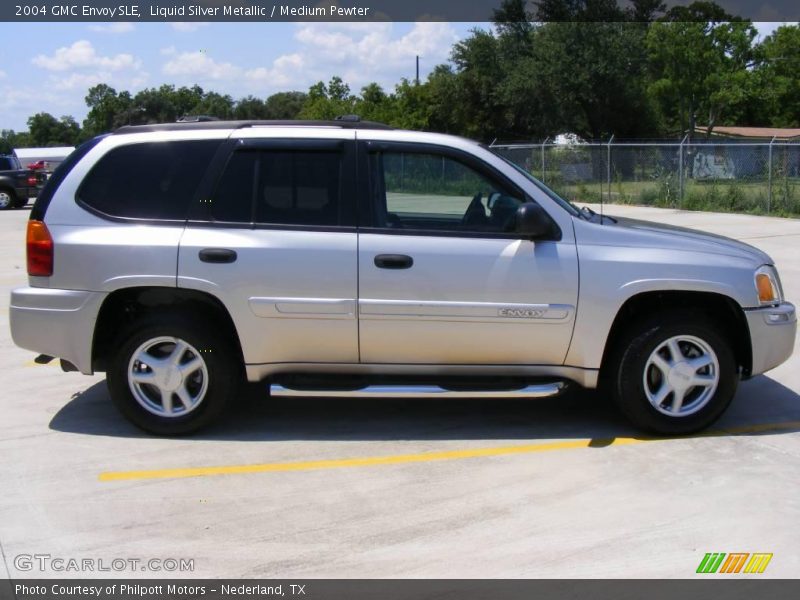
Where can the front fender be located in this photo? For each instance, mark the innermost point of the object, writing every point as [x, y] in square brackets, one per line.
[612, 275]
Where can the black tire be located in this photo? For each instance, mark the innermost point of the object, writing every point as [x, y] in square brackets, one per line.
[222, 362]
[8, 199]
[626, 372]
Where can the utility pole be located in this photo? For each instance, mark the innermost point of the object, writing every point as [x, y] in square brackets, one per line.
[417, 78]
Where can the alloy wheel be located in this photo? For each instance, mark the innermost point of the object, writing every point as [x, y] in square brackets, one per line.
[168, 376]
[681, 375]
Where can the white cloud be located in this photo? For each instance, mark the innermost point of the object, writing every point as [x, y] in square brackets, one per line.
[78, 67]
[364, 52]
[358, 52]
[283, 72]
[22, 98]
[201, 66]
[83, 81]
[82, 54]
[186, 27]
[119, 27]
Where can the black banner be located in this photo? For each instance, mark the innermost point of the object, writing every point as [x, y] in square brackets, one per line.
[745, 587]
[356, 10]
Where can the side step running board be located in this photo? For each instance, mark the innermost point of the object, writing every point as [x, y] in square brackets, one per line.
[539, 390]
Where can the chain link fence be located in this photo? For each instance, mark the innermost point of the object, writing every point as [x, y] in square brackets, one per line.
[748, 177]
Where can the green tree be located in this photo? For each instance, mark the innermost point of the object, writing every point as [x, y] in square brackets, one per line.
[587, 78]
[45, 130]
[250, 107]
[442, 90]
[375, 104]
[9, 140]
[107, 110]
[410, 106]
[549, 11]
[285, 105]
[700, 68]
[644, 11]
[164, 104]
[328, 101]
[480, 75]
[777, 79]
[214, 105]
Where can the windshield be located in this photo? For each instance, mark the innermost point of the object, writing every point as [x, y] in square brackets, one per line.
[565, 204]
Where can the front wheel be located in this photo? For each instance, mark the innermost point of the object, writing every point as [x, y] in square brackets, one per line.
[673, 375]
[173, 375]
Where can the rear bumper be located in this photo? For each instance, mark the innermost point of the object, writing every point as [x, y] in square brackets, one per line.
[59, 323]
[772, 335]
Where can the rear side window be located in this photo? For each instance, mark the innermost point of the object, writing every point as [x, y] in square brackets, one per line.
[5, 164]
[155, 180]
[273, 187]
[62, 170]
[298, 188]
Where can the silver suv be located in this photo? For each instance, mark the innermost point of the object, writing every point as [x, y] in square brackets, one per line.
[348, 258]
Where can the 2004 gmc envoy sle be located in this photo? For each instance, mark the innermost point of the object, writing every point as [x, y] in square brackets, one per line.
[346, 258]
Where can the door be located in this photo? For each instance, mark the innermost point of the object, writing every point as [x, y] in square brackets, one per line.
[275, 241]
[442, 277]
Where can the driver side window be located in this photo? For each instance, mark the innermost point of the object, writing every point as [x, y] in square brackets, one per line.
[427, 191]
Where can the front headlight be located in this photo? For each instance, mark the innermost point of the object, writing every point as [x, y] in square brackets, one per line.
[768, 285]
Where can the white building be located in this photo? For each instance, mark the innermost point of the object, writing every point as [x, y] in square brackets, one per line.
[52, 157]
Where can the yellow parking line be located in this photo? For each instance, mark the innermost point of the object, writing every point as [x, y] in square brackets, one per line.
[33, 363]
[398, 459]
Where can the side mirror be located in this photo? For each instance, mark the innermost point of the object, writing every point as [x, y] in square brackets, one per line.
[532, 221]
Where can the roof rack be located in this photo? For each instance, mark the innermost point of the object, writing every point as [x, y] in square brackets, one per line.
[347, 122]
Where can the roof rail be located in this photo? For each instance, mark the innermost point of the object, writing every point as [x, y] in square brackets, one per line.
[196, 119]
[187, 125]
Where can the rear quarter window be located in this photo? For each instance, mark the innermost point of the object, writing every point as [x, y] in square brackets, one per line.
[153, 180]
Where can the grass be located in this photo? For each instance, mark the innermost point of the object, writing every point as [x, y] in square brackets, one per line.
[714, 196]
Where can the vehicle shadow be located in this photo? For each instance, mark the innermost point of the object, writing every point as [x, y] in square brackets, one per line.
[579, 414]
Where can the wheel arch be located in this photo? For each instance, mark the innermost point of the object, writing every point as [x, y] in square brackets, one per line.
[719, 308]
[126, 305]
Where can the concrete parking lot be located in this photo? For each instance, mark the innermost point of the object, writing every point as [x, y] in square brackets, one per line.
[441, 488]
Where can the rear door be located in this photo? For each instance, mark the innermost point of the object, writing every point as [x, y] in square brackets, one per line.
[275, 240]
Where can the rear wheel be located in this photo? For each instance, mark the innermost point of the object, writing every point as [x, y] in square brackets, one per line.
[8, 199]
[173, 375]
[675, 374]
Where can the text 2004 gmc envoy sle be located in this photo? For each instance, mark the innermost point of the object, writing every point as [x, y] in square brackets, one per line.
[348, 258]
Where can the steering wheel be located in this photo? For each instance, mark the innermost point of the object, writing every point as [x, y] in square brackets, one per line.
[476, 214]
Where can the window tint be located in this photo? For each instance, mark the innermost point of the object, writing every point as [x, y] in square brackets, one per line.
[298, 188]
[290, 187]
[430, 191]
[233, 197]
[148, 181]
[59, 175]
[6, 164]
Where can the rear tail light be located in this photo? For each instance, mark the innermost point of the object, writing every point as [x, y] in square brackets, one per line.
[40, 250]
[33, 180]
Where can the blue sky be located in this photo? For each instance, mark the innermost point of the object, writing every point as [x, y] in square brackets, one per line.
[50, 66]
